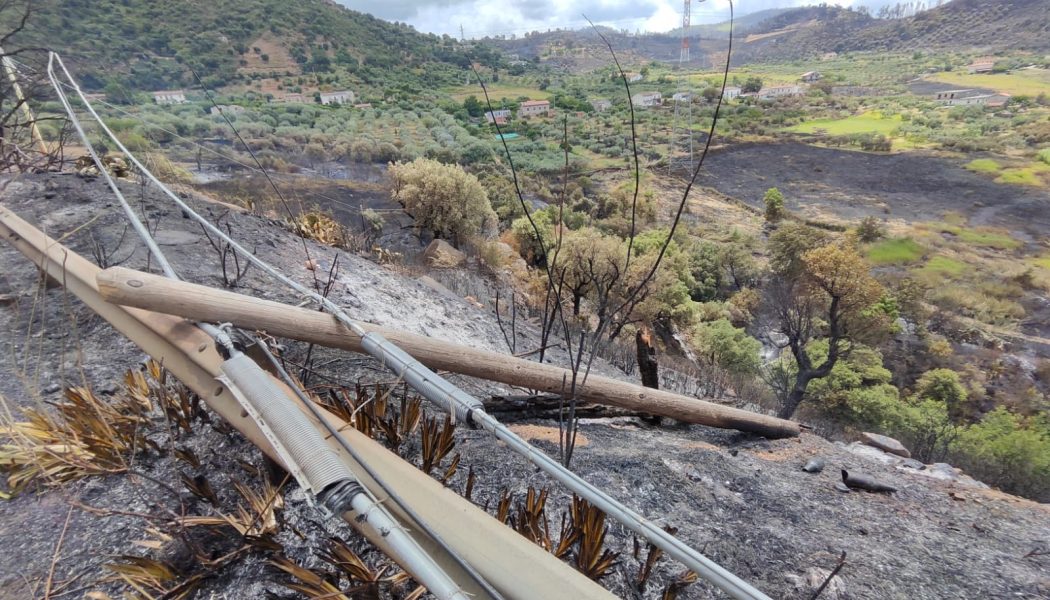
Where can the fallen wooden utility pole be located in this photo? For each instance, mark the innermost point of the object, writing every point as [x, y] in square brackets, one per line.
[143, 290]
[516, 567]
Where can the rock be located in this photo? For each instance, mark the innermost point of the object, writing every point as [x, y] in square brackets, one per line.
[814, 465]
[812, 578]
[885, 443]
[441, 254]
[873, 453]
[861, 481]
[51, 388]
[911, 463]
[842, 487]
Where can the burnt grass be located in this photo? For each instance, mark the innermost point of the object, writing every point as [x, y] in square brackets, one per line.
[742, 499]
[851, 185]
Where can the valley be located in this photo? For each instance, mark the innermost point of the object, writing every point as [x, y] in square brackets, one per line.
[842, 228]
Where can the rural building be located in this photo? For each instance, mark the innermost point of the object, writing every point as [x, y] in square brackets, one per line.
[854, 90]
[811, 76]
[646, 99]
[601, 105]
[291, 98]
[683, 97]
[499, 117]
[343, 97]
[779, 91]
[230, 109]
[732, 92]
[985, 64]
[169, 97]
[534, 108]
[972, 97]
[634, 77]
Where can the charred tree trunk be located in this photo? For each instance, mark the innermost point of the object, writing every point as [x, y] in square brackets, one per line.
[647, 365]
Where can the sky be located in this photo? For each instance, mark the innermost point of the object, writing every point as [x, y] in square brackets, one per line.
[479, 18]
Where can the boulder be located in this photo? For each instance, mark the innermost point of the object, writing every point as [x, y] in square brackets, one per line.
[885, 443]
[442, 255]
[814, 465]
[508, 258]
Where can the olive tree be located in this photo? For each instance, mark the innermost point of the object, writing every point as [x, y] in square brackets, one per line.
[443, 199]
[830, 296]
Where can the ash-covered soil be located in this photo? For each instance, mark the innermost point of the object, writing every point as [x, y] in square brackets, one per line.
[744, 500]
[850, 185]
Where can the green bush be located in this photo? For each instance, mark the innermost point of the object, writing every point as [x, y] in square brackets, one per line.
[1044, 155]
[1008, 452]
[728, 347]
[774, 201]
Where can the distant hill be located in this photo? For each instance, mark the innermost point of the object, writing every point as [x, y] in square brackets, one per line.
[147, 44]
[813, 30]
[960, 24]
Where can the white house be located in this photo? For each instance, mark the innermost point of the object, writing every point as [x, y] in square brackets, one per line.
[534, 108]
[682, 97]
[601, 105]
[779, 91]
[169, 97]
[646, 99]
[971, 97]
[343, 97]
[732, 92]
[984, 64]
[500, 116]
[811, 76]
[634, 77]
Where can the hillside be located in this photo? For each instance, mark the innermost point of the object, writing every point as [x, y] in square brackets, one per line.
[960, 24]
[147, 45]
[745, 500]
[812, 30]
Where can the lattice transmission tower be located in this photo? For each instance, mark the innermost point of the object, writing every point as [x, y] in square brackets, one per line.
[680, 154]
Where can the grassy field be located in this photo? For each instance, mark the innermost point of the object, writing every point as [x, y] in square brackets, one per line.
[895, 251]
[1034, 174]
[868, 122]
[497, 92]
[982, 236]
[942, 265]
[1028, 82]
[984, 165]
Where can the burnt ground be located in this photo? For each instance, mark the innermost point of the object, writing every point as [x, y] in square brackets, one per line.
[744, 500]
[850, 185]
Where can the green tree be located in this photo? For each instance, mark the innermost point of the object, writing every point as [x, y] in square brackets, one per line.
[830, 297]
[751, 85]
[942, 385]
[731, 348]
[774, 202]
[789, 243]
[473, 106]
[442, 198]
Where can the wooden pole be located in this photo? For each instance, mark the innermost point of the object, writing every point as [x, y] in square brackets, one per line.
[201, 303]
[9, 68]
[516, 567]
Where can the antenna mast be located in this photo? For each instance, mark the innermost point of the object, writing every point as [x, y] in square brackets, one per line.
[680, 151]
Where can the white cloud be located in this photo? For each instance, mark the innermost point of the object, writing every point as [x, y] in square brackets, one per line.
[486, 17]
